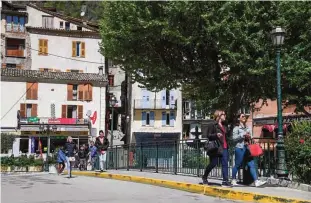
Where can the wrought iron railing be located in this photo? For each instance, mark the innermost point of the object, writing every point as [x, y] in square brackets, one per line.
[183, 157]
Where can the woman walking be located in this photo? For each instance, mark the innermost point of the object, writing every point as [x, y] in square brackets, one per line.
[70, 148]
[102, 145]
[242, 136]
[218, 133]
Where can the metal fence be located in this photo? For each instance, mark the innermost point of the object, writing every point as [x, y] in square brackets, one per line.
[186, 157]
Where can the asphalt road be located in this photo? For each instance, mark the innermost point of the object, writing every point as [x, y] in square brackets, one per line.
[60, 189]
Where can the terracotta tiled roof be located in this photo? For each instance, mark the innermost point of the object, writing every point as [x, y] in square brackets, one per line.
[73, 33]
[89, 25]
[68, 76]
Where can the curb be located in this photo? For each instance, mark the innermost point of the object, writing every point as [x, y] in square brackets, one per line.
[196, 188]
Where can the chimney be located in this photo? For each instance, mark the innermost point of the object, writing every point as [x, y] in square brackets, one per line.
[101, 70]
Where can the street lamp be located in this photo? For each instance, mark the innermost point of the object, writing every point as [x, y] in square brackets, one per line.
[113, 102]
[277, 36]
[47, 129]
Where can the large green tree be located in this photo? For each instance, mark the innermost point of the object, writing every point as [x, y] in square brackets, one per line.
[188, 44]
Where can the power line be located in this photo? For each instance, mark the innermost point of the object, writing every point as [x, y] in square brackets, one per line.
[17, 102]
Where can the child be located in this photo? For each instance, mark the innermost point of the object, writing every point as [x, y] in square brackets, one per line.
[61, 159]
[82, 156]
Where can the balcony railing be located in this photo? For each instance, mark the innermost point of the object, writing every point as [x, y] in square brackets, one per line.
[153, 104]
[11, 27]
[15, 52]
[53, 121]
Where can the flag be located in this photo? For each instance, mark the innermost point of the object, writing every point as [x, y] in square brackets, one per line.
[40, 147]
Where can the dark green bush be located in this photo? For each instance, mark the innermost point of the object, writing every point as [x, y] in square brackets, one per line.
[194, 159]
[298, 151]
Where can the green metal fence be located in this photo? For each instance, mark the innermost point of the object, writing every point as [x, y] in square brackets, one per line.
[185, 157]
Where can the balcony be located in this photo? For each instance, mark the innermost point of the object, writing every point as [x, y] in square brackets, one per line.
[15, 53]
[153, 104]
[15, 47]
[17, 28]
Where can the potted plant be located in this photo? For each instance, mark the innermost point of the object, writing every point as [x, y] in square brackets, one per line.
[52, 161]
[21, 164]
[6, 164]
[35, 165]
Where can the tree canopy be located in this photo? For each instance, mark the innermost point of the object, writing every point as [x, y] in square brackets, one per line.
[189, 44]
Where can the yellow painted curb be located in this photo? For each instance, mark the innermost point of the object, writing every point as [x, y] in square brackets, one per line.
[224, 193]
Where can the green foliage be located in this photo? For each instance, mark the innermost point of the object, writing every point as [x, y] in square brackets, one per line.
[170, 44]
[193, 159]
[22, 161]
[73, 8]
[298, 149]
[7, 141]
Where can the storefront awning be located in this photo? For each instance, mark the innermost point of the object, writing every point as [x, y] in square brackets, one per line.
[271, 128]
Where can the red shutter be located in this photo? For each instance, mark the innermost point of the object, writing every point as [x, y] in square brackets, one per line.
[35, 91]
[64, 111]
[69, 92]
[23, 110]
[80, 92]
[80, 111]
[34, 110]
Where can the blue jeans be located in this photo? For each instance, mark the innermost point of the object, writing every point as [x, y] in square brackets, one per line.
[224, 165]
[239, 158]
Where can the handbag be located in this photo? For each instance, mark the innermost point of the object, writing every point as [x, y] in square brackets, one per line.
[255, 150]
[211, 147]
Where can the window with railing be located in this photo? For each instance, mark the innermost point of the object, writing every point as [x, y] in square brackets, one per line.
[15, 47]
[82, 92]
[15, 23]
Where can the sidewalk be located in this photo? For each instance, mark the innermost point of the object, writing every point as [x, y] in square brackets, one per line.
[264, 194]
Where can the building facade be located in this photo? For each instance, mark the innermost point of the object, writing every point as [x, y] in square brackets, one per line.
[58, 75]
[155, 116]
[116, 82]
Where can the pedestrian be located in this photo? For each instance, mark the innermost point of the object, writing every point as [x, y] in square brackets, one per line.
[242, 136]
[93, 154]
[102, 145]
[82, 158]
[61, 159]
[70, 148]
[218, 135]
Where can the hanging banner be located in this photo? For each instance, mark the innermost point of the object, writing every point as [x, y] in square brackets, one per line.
[32, 145]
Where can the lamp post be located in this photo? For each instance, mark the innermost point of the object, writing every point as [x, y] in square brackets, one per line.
[47, 129]
[113, 102]
[277, 36]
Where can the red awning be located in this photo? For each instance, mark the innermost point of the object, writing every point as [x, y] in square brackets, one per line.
[271, 128]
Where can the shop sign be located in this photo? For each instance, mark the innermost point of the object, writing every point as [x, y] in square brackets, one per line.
[66, 121]
[33, 120]
[56, 134]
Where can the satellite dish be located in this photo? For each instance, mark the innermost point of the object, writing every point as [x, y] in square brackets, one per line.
[83, 10]
[89, 113]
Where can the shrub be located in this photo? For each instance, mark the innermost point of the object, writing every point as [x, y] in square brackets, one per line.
[193, 159]
[298, 151]
[7, 141]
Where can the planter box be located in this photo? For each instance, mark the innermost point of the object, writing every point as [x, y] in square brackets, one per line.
[20, 169]
[5, 168]
[35, 168]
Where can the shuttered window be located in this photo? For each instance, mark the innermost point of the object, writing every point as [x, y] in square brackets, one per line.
[111, 80]
[28, 110]
[31, 91]
[88, 92]
[43, 47]
[78, 49]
